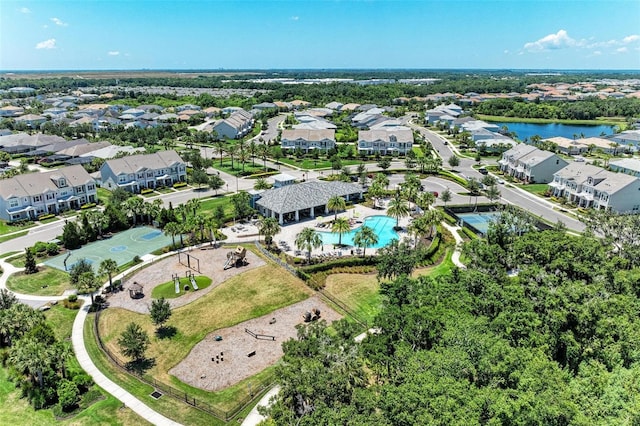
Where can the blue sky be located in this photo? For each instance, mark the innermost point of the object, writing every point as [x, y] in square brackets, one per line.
[190, 34]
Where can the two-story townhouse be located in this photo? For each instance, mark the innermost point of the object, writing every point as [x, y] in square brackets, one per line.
[628, 139]
[308, 139]
[31, 195]
[530, 164]
[394, 140]
[590, 186]
[629, 166]
[235, 126]
[137, 172]
[567, 182]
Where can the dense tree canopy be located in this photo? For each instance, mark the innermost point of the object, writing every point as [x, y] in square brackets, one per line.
[557, 342]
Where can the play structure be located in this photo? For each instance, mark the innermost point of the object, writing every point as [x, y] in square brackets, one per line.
[236, 258]
[314, 315]
[189, 260]
[259, 336]
[192, 280]
[176, 282]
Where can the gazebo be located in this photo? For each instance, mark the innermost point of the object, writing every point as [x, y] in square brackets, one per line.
[136, 291]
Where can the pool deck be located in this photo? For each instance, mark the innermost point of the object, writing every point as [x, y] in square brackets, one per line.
[288, 233]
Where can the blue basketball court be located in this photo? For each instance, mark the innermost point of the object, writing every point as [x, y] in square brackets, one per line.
[122, 248]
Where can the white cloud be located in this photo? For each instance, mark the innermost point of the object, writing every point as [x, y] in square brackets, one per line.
[506, 51]
[113, 53]
[597, 53]
[47, 44]
[631, 38]
[559, 40]
[25, 10]
[295, 18]
[621, 50]
[59, 22]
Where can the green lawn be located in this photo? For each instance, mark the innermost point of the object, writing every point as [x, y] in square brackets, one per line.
[6, 228]
[208, 206]
[245, 296]
[311, 164]
[536, 188]
[358, 292]
[168, 289]
[8, 254]
[46, 282]
[12, 236]
[249, 168]
[104, 195]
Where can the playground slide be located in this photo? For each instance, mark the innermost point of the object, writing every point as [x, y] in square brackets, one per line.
[228, 263]
[176, 281]
[193, 282]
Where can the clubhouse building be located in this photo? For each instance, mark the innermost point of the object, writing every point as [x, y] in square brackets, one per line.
[295, 202]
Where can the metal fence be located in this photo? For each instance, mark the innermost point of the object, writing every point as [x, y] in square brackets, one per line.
[181, 395]
[276, 259]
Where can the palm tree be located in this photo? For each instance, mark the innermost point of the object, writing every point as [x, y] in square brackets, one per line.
[253, 148]
[212, 225]
[365, 237]
[108, 267]
[133, 206]
[152, 209]
[173, 229]
[398, 208]
[220, 148]
[336, 203]
[193, 205]
[308, 239]
[340, 226]
[268, 227]
[425, 199]
[199, 222]
[232, 150]
[263, 152]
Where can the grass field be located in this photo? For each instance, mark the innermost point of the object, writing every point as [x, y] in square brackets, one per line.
[536, 188]
[311, 164]
[6, 228]
[61, 320]
[46, 282]
[243, 297]
[168, 289]
[208, 206]
[358, 292]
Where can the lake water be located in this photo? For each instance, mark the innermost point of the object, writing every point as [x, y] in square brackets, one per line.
[526, 130]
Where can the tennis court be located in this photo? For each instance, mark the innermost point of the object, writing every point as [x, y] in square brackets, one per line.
[122, 248]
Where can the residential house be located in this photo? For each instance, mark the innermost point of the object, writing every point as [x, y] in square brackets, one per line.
[137, 172]
[11, 111]
[530, 164]
[568, 146]
[629, 166]
[308, 139]
[395, 140]
[235, 126]
[629, 139]
[31, 120]
[298, 104]
[592, 187]
[33, 194]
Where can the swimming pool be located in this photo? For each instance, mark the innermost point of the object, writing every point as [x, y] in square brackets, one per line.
[381, 225]
[480, 221]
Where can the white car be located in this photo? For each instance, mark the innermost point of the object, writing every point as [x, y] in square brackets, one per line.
[501, 181]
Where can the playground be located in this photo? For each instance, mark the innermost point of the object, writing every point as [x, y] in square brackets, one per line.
[230, 355]
[121, 247]
[209, 263]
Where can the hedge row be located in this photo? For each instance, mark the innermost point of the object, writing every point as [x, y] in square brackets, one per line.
[339, 263]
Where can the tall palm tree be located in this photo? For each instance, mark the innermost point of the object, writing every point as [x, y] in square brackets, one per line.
[193, 205]
[199, 223]
[133, 206]
[336, 203]
[232, 150]
[365, 237]
[341, 226]
[308, 239]
[253, 148]
[268, 227]
[153, 209]
[263, 152]
[212, 225]
[108, 267]
[398, 208]
[173, 229]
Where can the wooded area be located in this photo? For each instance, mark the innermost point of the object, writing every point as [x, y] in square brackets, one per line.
[540, 329]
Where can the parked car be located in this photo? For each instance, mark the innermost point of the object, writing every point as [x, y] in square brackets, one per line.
[483, 171]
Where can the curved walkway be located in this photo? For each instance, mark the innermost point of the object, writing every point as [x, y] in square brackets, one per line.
[77, 339]
[455, 257]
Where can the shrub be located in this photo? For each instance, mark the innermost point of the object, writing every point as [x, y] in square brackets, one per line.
[72, 302]
[87, 206]
[179, 184]
[146, 191]
[46, 216]
[52, 249]
[136, 259]
[40, 247]
[72, 298]
[91, 396]
[67, 394]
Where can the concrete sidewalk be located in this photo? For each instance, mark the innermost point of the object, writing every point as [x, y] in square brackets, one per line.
[253, 418]
[77, 338]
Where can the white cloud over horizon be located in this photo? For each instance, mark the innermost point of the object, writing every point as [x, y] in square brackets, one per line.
[59, 22]
[25, 10]
[559, 40]
[113, 53]
[295, 18]
[47, 44]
